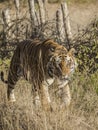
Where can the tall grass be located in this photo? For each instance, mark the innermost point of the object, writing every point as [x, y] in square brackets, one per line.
[81, 115]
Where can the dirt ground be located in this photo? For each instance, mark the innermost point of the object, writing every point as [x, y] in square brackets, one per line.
[80, 14]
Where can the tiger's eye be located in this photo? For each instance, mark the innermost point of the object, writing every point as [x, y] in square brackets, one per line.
[52, 49]
[58, 59]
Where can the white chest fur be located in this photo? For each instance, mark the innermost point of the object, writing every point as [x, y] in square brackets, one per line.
[61, 83]
[48, 81]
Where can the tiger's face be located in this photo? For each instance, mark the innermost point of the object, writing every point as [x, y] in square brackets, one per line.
[62, 63]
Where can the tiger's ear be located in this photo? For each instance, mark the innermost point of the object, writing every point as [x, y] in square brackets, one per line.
[72, 51]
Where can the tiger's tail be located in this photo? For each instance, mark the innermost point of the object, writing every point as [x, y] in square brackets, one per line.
[2, 78]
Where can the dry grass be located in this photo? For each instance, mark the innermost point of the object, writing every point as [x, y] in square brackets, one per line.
[81, 115]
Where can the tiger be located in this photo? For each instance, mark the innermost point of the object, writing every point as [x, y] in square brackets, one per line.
[41, 63]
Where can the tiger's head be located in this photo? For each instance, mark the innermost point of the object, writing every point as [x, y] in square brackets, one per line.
[60, 63]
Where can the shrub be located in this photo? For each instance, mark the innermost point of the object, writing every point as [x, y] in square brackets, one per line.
[86, 44]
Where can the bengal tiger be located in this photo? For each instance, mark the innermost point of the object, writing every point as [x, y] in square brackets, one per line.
[41, 63]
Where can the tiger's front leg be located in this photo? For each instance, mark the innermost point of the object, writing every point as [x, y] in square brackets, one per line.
[36, 99]
[65, 96]
[45, 98]
[10, 94]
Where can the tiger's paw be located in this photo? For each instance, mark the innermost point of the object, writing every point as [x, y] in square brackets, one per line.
[48, 108]
[11, 98]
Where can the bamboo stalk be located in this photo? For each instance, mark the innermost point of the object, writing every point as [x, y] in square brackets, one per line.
[66, 22]
[6, 24]
[41, 11]
[17, 6]
[59, 25]
[32, 12]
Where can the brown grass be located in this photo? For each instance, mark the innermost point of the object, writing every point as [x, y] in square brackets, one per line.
[81, 115]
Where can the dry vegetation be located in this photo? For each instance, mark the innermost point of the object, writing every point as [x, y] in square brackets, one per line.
[81, 115]
[83, 111]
